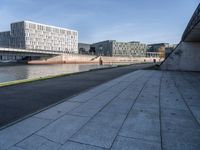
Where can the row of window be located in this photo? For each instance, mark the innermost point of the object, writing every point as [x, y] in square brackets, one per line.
[41, 36]
[50, 47]
[49, 29]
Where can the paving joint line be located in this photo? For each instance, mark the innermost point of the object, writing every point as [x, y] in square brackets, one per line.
[193, 116]
[84, 144]
[140, 139]
[19, 147]
[131, 109]
[160, 117]
[48, 139]
[77, 115]
[103, 108]
[135, 71]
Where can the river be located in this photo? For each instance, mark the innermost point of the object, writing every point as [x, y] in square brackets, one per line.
[18, 72]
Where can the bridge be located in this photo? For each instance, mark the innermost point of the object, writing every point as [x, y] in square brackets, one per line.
[186, 56]
[19, 54]
[49, 52]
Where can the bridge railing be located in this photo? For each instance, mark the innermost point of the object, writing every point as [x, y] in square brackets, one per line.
[192, 23]
[38, 51]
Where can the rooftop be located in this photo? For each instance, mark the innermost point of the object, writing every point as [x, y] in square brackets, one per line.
[44, 25]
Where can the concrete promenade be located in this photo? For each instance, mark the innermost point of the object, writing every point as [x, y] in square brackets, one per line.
[20, 100]
[142, 110]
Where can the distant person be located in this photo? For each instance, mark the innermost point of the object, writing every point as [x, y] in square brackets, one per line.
[100, 61]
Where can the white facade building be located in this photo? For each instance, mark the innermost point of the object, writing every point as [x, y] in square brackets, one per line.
[36, 36]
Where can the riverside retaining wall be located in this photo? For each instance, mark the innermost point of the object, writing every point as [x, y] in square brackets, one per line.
[90, 59]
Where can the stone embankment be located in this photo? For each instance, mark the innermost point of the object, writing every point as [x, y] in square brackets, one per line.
[90, 59]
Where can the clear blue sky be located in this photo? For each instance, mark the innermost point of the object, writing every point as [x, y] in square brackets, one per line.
[148, 21]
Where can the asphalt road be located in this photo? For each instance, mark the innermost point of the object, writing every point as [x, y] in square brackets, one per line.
[18, 101]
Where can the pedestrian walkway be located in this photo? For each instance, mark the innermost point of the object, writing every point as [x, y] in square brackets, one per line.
[142, 110]
[20, 100]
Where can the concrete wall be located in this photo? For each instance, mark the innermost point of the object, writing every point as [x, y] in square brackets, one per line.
[186, 57]
[73, 58]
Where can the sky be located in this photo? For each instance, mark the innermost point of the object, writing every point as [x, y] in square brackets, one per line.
[147, 21]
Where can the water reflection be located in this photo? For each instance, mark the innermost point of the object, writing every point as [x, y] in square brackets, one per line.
[11, 73]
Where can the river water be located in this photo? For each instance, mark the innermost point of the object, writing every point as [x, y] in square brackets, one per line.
[18, 72]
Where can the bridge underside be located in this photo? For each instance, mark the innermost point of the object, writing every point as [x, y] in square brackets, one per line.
[186, 56]
[6, 56]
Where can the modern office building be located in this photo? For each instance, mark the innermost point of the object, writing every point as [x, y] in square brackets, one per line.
[83, 48]
[103, 48]
[157, 47]
[164, 48]
[115, 48]
[138, 49]
[5, 39]
[36, 36]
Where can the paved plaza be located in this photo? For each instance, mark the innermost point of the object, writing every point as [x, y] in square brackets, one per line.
[142, 110]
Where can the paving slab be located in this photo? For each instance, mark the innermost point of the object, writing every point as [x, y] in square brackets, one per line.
[103, 128]
[58, 110]
[15, 148]
[84, 97]
[173, 119]
[196, 112]
[193, 80]
[92, 107]
[124, 101]
[14, 134]
[79, 146]
[123, 143]
[143, 120]
[180, 130]
[62, 129]
[36, 142]
[142, 124]
[149, 97]
[171, 98]
[190, 93]
[179, 140]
